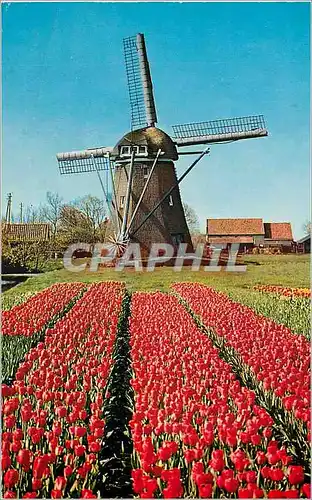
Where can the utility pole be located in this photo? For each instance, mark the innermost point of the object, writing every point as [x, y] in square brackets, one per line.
[8, 213]
[21, 213]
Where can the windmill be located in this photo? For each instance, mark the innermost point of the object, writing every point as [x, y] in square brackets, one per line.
[145, 204]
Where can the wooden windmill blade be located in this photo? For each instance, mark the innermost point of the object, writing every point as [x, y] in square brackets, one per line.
[232, 129]
[87, 160]
[140, 87]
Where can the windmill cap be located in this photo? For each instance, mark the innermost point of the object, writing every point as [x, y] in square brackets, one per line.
[153, 138]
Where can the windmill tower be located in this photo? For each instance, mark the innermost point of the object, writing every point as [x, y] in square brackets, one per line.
[145, 204]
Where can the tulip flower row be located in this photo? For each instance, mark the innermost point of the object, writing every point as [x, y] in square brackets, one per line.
[293, 312]
[196, 431]
[53, 413]
[31, 316]
[24, 325]
[285, 291]
[279, 359]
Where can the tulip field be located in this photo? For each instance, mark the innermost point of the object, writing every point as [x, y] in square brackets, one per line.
[184, 394]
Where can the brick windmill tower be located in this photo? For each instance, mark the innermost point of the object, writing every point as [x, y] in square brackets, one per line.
[141, 187]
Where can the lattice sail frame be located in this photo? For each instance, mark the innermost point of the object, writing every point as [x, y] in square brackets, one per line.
[140, 86]
[135, 87]
[231, 128]
[79, 162]
[92, 160]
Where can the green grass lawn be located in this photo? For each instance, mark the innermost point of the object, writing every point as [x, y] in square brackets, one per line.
[287, 270]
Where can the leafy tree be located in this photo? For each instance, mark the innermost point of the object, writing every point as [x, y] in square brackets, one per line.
[31, 256]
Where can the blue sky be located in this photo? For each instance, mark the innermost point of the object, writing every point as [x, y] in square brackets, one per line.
[64, 88]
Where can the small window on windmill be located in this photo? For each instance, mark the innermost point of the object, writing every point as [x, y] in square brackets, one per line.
[170, 201]
[122, 201]
[145, 172]
[125, 151]
[142, 151]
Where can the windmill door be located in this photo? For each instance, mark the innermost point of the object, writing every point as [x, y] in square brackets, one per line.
[177, 238]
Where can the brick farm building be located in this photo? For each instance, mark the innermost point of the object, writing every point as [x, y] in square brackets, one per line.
[253, 235]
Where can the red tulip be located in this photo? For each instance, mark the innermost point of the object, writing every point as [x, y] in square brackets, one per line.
[60, 483]
[87, 494]
[295, 474]
[276, 474]
[9, 494]
[231, 485]
[56, 494]
[95, 447]
[61, 411]
[36, 484]
[276, 494]
[80, 450]
[251, 476]
[10, 421]
[23, 458]
[11, 478]
[306, 490]
[205, 491]
[6, 461]
[243, 493]
[291, 494]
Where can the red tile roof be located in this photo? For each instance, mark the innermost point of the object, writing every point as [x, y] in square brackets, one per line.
[27, 232]
[278, 230]
[239, 227]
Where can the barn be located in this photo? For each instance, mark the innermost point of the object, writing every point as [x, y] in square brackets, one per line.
[245, 232]
[251, 234]
[279, 235]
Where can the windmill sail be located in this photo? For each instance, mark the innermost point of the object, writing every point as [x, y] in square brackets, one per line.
[231, 129]
[143, 111]
[88, 160]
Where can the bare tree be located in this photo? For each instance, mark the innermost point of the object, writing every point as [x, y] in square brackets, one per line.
[32, 214]
[307, 227]
[94, 210]
[51, 211]
[83, 221]
[191, 218]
